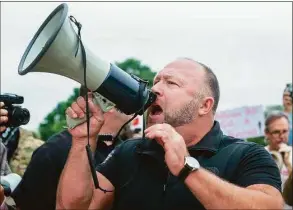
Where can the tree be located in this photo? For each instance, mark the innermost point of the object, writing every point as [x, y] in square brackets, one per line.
[55, 121]
[134, 66]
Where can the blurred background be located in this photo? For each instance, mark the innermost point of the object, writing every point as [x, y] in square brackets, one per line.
[247, 44]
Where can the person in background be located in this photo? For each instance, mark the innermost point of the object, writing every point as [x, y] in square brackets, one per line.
[276, 132]
[287, 105]
[4, 167]
[37, 190]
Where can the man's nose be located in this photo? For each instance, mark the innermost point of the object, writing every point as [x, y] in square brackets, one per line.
[157, 89]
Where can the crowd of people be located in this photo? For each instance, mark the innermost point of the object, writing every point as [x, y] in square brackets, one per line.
[184, 162]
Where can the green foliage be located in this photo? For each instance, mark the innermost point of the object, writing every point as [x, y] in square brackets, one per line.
[55, 121]
[259, 140]
[134, 66]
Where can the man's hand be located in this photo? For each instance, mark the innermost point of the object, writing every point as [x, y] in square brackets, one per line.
[173, 144]
[3, 116]
[287, 161]
[78, 110]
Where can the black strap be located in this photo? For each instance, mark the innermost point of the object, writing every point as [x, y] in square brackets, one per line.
[88, 149]
[184, 173]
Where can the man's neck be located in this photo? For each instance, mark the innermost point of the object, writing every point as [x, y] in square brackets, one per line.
[193, 133]
[273, 148]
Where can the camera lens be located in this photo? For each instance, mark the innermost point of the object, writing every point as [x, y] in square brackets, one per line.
[20, 116]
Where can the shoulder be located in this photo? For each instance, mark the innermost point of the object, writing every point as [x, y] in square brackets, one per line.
[131, 144]
[229, 141]
[126, 149]
[61, 136]
[244, 149]
[58, 142]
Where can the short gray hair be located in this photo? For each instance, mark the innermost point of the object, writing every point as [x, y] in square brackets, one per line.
[274, 115]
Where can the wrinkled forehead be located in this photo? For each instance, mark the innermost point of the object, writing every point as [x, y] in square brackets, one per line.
[185, 70]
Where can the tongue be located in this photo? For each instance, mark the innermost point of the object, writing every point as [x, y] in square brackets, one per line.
[157, 113]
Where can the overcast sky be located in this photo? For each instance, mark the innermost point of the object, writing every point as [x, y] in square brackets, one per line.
[248, 45]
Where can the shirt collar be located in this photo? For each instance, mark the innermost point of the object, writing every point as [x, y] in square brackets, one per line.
[209, 143]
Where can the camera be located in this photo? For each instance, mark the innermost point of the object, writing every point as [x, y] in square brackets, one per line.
[16, 115]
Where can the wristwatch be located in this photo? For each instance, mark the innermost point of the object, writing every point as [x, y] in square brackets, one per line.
[190, 164]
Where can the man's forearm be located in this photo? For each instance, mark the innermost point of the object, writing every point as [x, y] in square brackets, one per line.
[75, 188]
[215, 193]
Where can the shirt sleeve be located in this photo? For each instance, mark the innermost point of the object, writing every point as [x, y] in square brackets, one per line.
[109, 167]
[258, 167]
[39, 175]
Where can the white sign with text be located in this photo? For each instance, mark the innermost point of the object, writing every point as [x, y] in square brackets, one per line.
[244, 122]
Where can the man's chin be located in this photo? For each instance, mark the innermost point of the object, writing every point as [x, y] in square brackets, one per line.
[153, 122]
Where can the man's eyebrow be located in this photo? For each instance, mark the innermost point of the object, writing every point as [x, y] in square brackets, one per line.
[168, 76]
[172, 77]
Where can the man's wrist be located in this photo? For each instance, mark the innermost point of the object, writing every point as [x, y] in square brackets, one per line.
[190, 165]
[80, 144]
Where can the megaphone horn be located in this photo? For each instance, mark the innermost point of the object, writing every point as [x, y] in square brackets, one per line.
[54, 49]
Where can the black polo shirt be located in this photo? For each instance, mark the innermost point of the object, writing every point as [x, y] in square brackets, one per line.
[38, 187]
[145, 183]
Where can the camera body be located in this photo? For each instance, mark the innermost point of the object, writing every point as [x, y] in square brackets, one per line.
[16, 114]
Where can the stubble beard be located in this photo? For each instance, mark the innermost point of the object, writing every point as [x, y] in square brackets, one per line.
[185, 115]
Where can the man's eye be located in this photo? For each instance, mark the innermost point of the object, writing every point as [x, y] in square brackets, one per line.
[171, 83]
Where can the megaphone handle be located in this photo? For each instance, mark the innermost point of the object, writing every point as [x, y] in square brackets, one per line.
[104, 103]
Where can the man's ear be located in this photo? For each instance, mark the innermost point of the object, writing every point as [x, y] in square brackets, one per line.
[206, 106]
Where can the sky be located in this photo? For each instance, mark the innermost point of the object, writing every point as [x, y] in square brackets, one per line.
[247, 44]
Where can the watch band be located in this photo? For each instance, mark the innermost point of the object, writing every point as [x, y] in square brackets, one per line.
[184, 173]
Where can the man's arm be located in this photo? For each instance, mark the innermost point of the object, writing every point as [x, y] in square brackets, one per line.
[215, 193]
[76, 187]
[257, 184]
[257, 175]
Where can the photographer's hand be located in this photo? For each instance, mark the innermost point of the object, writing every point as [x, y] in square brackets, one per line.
[1, 194]
[3, 117]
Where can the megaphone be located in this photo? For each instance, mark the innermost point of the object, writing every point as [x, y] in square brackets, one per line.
[54, 49]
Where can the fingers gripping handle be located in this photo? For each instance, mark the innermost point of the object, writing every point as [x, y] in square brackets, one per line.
[98, 99]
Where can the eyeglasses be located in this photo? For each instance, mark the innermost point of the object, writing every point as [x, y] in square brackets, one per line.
[278, 133]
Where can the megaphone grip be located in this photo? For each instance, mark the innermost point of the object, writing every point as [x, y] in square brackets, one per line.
[98, 99]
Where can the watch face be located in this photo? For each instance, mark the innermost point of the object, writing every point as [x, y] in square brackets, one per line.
[192, 162]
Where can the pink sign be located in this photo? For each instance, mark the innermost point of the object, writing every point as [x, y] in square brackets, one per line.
[244, 122]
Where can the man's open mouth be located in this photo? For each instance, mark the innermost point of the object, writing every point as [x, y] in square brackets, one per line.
[155, 110]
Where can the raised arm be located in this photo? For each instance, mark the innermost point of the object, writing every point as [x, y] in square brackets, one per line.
[76, 188]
